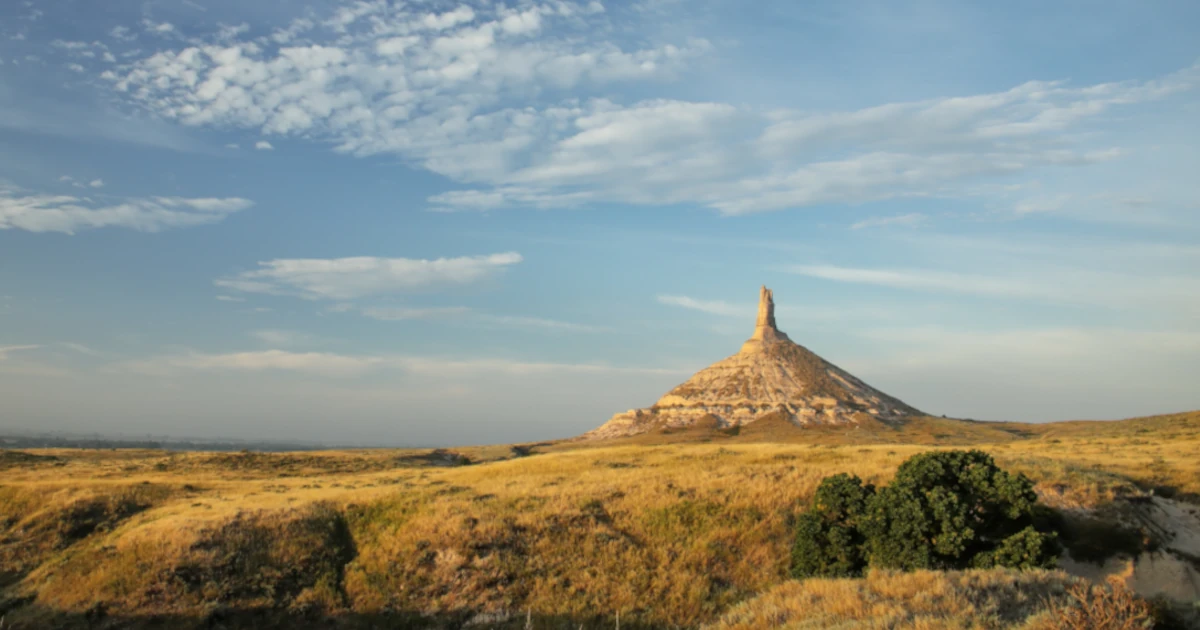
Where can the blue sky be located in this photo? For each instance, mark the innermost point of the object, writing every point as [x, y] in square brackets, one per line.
[429, 222]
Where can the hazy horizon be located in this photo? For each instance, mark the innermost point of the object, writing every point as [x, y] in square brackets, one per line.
[467, 223]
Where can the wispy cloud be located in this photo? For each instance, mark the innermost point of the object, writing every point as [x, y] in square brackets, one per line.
[70, 214]
[5, 350]
[350, 278]
[912, 218]
[282, 338]
[322, 363]
[408, 313]
[540, 324]
[331, 364]
[263, 145]
[715, 307]
[469, 316]
[1049, 284]
[78, 347]
[927, 280]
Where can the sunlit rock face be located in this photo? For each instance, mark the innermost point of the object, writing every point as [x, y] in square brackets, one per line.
[770, 376]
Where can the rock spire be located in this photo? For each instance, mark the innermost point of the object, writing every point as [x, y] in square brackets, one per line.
[771, 376]
[765, 330]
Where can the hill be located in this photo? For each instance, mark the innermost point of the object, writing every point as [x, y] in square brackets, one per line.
[770, 377]
[569, 533]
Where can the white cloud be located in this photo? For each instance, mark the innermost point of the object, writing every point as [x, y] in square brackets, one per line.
[96, 183]
[232, 145]
[490, 97]
[263, 145]
[229, 298]
[1041, 204]
[5, 350]
[70, 214]
[272, 337]
[122, 33]
[540, 324]
[78, 347]
[157, 28]
[912, 218]
[927, 280]
[1044, 283]
[1055, 346]
[322, 363]
[405, 313]
[331, 364]
[350, 278]
[714, 307]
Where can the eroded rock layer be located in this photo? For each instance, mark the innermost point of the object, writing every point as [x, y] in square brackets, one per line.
[770, 376]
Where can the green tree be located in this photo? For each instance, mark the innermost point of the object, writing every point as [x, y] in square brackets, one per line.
[829, 542]
[954, 510]
[943, 510]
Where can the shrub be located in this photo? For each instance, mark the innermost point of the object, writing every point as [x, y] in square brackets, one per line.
[943, 510]
[1094, 607]
[828, 540]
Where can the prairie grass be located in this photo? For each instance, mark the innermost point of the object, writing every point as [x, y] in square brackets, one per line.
[665, 533]
[983, 600]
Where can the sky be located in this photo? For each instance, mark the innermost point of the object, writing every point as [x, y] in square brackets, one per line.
[422, 223]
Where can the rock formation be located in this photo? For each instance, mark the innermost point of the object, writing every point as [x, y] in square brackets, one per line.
[771, 376]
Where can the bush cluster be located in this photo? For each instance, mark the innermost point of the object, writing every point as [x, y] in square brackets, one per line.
[944, 510]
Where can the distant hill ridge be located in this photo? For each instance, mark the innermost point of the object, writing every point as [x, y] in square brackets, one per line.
[770, 377]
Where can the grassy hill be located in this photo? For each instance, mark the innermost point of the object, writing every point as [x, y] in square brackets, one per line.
[666, 529]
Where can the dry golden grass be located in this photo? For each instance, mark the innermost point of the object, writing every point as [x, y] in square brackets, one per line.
[663, 534]
[929, 600]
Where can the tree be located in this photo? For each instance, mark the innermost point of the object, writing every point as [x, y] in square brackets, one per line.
[943, 510]
[829, 542]
[954, 510]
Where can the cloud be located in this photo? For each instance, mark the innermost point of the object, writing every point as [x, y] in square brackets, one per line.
[403, 313]
[1055, 347]
[501, 101]
[912, 218]
[540, 324]
[340, 365]
[122, 33]
[78, 347]
[1046, 284]
[350, 278]
[96, 183]
[321, 363]
[229, 298]
[232, 145]
[5, 350]
[282, 337]
[70, 214]
[157, 28]
[714, 307]
[263, 145]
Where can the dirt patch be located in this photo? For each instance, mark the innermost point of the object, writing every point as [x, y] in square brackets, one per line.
[1172, 569]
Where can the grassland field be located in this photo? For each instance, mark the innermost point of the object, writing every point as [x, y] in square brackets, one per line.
[683, 529]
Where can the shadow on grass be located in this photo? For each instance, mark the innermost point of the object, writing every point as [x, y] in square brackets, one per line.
[32, 616]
